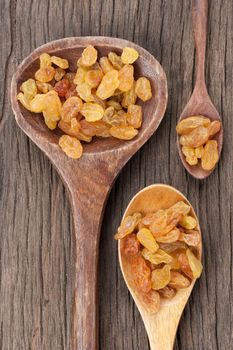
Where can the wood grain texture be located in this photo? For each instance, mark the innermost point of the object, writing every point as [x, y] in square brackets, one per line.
[37, 250]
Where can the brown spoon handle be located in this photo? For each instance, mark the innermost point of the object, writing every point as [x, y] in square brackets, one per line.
[88, 197]
[199, 17]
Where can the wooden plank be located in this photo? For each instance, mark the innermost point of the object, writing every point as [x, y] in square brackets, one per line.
[36, 251]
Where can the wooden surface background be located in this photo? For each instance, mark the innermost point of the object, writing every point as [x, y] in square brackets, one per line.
[36, 249]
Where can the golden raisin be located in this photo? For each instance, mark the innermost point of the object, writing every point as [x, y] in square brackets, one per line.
[71, 108]
[178, 281]
[141, 274]
[160, 277]
[45, 60]
[191, 237]
[80, 76]
[44, 87]
[60, 62]
[188, 222]
[71, 129]
[167, 292]
[59, 74]
[129, 97]
[62, 87]
[130, 245]
[214, 128]
[93, 78]
[108, 85]
[194, 263]
[123, 132]
[170, 237]
[143, 89]
[45, 74]
[199, 151]
[186, 125]
[129, 55]
[115, 60]
[84, 91]
[71, 146]
[195, 138]
[146, 239]
[89, 56]
[158, 257]
[134, 116]
[126, 78]
[210, 155]
[92, 111]
[106, 65]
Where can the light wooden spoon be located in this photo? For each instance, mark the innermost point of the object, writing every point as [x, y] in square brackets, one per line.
[89, 179]
[200, 102]
[161, 327]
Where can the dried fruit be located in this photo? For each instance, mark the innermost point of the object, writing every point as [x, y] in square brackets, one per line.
[52, 106]
[89, 56]
[184, 265]
[93, 77]
[71, 146]
[129, 97]
[108, 85]
[158, 257]
[92, 112]
[191, 237]
[84, 92]
[45, 74]
[188, 222]
[60, 62]
[146, 238]
[59, 74]
[115, 60]
[196, 137]
[44, 87]
[114, 104]
[150, 301]
[186, 125]
[160, 277]
[143, 89]
[126, 78]
[129, 55]
[71, 129]
[127, 226]
[134, 116]
[105, 65]
[214, 127]
[130, 245]
[171, 248]
[199, 151]
[45, 60]
[71, 108]
[123, 132]
[62, 87]
[37, 104]
[24, 101]
[210, 155]
[71, 92]
[80, 76]
[98, 128]
[170, 237]
[29, 88]
[167, 292]
[194, 263]
[178, 281]
[141, 274]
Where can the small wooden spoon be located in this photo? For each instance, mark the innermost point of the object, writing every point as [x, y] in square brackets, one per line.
[89, 179]
[200, 102]
[161, 327]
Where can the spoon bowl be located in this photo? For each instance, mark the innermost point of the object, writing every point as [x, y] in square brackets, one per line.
[89, 179]
[200, 102]
[161, 327]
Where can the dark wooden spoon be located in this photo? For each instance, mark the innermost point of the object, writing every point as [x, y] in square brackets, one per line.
[89, 179]
[200, 102]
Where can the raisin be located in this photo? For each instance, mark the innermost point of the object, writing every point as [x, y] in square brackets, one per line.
[170, 237]
[214, 128]
[45, 74]
[146, 239]
[188, 222]
[150, 301]
[191, 237]
[71, 146]
[67, 128]
[105, 64]
[92, 111]
[210, 155]
[134, 116]
[80, 76]
[29, 88]
[84, 91]
[45, 60]
[126, 77]
[130, 245]
[93, 78]
[71, 92]
[70, 76]
[44, 87]
[127, 226]
[59, 74]
[115, 60]
[167, 292]
[123, 132]
[129, 97]
[184, 265]
[160, 277]
[129, 55]
[98, 128]
[60, 62]
[158, 257]
[199, 151]
[186, 125]
[24, 101]
[62, 87]
[143, 89]
[141, 274]
[52, 106]
[195, 138]
[89, 56]
[178, 281]
[71, 108]
[114, 104]
[194, 263]
[108, 85]
[37, 104]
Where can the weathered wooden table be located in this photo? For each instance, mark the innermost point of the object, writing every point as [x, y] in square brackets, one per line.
[36, 250]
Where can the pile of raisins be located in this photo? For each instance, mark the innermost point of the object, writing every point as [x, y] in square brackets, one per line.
[98, 100]
[196, 133]
[160, 250]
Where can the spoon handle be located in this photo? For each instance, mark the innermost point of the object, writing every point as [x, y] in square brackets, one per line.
[88, 199]
[199, 19]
